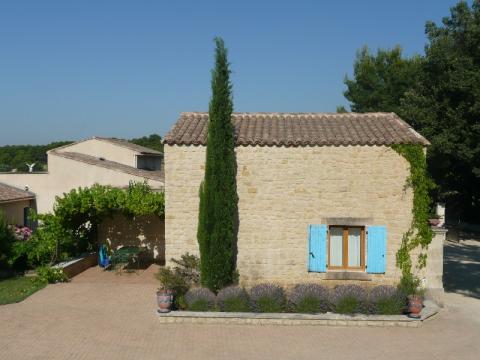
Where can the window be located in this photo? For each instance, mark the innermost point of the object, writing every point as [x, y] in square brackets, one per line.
[346, 247]
[26, 217]
[149, 162]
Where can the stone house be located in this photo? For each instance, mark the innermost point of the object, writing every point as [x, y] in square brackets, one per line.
[321, 196]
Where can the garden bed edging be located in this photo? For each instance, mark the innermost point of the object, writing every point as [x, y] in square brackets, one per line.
[328, 319]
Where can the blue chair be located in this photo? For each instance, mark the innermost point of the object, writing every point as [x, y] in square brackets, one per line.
[103, 258]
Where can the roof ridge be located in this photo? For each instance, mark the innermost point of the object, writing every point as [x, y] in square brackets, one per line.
[301, 129]
[262, 113]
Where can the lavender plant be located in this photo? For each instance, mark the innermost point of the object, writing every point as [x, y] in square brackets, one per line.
[309, 298]
[233, 299]
[387, 300]
[267, 298]
[349, 299]
[199, 299]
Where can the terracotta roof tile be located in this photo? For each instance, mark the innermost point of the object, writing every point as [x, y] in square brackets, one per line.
[300, 129]
[9, 193]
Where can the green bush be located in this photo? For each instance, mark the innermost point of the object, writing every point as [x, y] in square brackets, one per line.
[7, 240]
[171, 280]
[51, 275]
[185, 274]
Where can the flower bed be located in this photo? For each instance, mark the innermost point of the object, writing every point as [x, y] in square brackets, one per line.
[327, 319]
[303, 298]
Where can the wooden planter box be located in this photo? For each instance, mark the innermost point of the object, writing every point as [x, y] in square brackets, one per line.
[76, 266]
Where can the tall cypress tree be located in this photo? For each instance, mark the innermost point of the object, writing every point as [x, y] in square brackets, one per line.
[217, 223]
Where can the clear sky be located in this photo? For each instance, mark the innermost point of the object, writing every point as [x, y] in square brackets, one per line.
[74, 69]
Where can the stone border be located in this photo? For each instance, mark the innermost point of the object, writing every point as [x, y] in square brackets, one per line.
[328, 319]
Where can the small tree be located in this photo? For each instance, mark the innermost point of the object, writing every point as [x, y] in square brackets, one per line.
[218, 196]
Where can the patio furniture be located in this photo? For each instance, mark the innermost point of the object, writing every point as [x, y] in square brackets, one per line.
[127, 255]
[103, 258]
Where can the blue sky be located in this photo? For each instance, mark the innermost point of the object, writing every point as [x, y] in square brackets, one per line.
[74, 69]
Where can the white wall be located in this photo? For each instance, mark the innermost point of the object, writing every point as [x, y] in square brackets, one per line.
[104, 149]
[65, 175]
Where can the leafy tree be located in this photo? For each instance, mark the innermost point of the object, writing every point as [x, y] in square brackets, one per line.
[218, 198]
[153, 141]
[439, 95]
[380, 81]
[445, 106]
[341, 109]
[16, 156]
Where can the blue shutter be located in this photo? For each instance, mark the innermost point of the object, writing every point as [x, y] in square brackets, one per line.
[376, 249]
[317, 248]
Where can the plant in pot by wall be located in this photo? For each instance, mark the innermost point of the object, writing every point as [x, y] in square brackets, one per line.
[410, 285]
[169, 281]
[174, 283]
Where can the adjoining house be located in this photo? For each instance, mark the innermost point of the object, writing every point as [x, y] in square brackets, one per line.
[321, 196]
[105, 161]
[15, 204]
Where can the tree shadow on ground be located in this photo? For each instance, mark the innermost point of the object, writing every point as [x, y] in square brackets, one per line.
[461, 272]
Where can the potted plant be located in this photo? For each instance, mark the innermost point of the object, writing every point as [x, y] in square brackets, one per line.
[164, 299]
[410, 285]
[165, 291]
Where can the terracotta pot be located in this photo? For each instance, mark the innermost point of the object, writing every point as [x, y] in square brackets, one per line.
[415, 305]
[164, 300]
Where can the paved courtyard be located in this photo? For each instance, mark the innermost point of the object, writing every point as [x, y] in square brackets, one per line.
[106, 316]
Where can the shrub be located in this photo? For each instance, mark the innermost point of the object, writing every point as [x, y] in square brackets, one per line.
[410, 285]
[267, 298]
[349, 299]
[387, 300]
[170, 280]
[185, 274]
[309, 298]
[188, 267]
[233, 299]
[7, 240]
[51, 275]
[200, 299]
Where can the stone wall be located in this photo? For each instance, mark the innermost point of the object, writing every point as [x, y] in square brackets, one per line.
[283, 190]
[434, 270]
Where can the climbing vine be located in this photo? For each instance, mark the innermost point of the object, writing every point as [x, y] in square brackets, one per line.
[420, 233]
[72, 227]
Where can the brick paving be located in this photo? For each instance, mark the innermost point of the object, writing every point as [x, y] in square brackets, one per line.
[106, 316]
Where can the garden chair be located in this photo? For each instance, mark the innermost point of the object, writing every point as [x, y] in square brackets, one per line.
[103, 258]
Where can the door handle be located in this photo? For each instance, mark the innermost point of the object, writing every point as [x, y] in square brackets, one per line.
[311, 254]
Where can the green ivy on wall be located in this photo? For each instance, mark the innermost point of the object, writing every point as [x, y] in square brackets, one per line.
[420, 233]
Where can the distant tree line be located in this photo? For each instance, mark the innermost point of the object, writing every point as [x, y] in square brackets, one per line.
[439, 95]
[17, 156]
